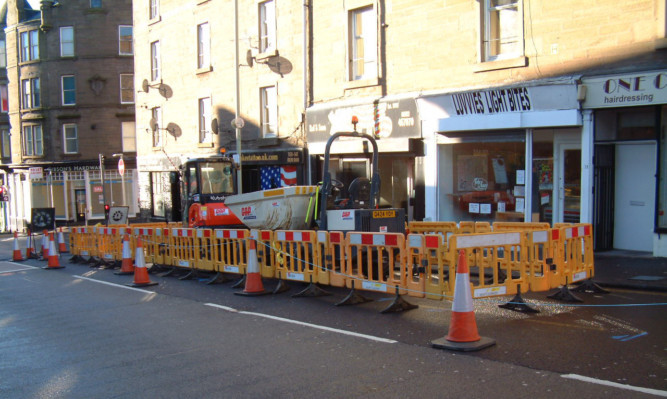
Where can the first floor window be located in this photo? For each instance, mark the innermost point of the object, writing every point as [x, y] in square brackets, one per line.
[32, 140]
[30, 93]
[6, 143]
[158, 194]
[129, 136]
[125, 40]
[269, 109]
[205, 120]
[154, 9]
[69, 90]
[70, 138]
[155, 60]
[156, 123]
[267, 26]
[363, 43]
[203, 46]
[127, 88]
[502, 30]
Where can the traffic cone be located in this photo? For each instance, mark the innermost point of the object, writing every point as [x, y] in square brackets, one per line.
[45, 245]
[253, 281]
[463, 335]
[126, 266]
[54, 257]
[61, 242]
[141, 278]
[17, 252]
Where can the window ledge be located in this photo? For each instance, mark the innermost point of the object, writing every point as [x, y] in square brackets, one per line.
[29, 62]
[205, 145]
[357, 84]
[156, 148]
[517, 62]
[155, 20]
[203, 70]
[202, 1]
[266, 54]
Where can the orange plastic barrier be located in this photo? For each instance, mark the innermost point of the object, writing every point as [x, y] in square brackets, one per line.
[576, 253]
[229, 251]
[519, 226]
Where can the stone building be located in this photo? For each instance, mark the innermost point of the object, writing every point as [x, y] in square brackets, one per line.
[71, 109]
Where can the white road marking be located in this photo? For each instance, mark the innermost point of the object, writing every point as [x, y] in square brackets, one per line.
[115, 285]
[352, 333]
[650, 391]
[24, 268]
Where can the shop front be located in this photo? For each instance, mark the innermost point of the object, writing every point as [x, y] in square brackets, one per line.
[393, 122]
[507, 154]
[630, 117]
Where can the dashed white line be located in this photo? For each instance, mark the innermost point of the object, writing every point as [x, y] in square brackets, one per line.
[115, 285]
[650, 391]
[301, 323]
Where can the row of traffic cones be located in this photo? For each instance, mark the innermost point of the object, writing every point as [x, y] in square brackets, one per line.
[30, 251]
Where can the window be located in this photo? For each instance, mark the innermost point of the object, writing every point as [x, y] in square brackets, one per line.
[69, 90]
[6, 144]
[269, 109]
[203, 46]
[129, 136]
[29, 45]
[267, 26]
[127, 88]
[66, 41]
[205, 135]
[4, 105]
[154, 9]
[125, 40]
[155, 60]
[502, 30]
[30, 90]
[70, 138]
[3, 53]
[156, 123]
[32, 140]
[363, 44]
[95, 3]
[158, 195]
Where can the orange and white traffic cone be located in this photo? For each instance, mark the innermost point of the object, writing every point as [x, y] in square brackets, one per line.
[54, 256]
[141, 278]
[127, 265]
[253, 280]
[17, 252]
[45, 245]
[463, 335]
[62, 247]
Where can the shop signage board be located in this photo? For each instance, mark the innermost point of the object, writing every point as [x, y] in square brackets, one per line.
[634, 89]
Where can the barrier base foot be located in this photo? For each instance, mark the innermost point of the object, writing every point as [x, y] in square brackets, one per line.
[353, 298]
[313, 290]
[256, 293]
[399, 305]
[590, 286]
[75, 259]
[216, 279]
[53, 267]
[443, 343]
[169, 272]
[564, 294]
[141, 284]
[281, 287]
[155, 268]
[240, 283]
[90, 260]
[517, 304]
[192, 273]
[122, 273]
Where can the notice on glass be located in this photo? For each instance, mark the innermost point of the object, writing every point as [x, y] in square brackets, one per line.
[485, 208]
[473, 208]
[501, 207]
[519, 191]
[520, 176]
[544, 198]
[520, 204]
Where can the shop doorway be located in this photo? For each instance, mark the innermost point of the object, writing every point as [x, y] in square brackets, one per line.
[80, 203]
[634, 197]
[567, 190]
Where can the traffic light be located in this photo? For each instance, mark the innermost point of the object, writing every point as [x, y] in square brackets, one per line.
[106, 211]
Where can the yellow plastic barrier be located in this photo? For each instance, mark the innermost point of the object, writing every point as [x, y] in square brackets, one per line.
[416, 264]
[483, 227]
[110, 243]
[438, 270]
[265, 252]
[543, 272]
[150, 241]
[445, 229]
[519, 226]
[576, 253]
[88, 241]
[229, 251]
[332, 256]
[181, 248]
[498, 266]
[376, 261]
[295, 254]
[204, 252]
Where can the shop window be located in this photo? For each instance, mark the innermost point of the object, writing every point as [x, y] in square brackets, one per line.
[67, 41]
[502, 29]
[363, 43]
[483, 178]
[636, 123]
[662, 174]
[125, 36]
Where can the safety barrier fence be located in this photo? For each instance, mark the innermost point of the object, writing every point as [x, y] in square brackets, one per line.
[504, 258]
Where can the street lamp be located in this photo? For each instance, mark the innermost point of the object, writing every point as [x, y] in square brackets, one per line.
[121, 170]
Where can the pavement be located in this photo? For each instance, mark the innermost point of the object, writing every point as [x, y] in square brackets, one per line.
[613, 269]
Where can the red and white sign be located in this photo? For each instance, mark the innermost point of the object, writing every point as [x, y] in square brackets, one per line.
[36, 173]
[121, 166]
[98, 189]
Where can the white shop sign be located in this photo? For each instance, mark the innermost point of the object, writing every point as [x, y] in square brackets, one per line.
[640, 88]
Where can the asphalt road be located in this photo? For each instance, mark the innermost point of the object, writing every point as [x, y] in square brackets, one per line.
[79, 332]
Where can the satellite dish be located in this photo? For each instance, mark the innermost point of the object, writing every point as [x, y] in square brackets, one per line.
[145, 85]
[153, 124]
[174, 130]
[279, 65]
[249, 58]
[214, 126]
[165, 90]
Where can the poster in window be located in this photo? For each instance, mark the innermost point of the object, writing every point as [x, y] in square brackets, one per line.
[499, 171]
[469, 168]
